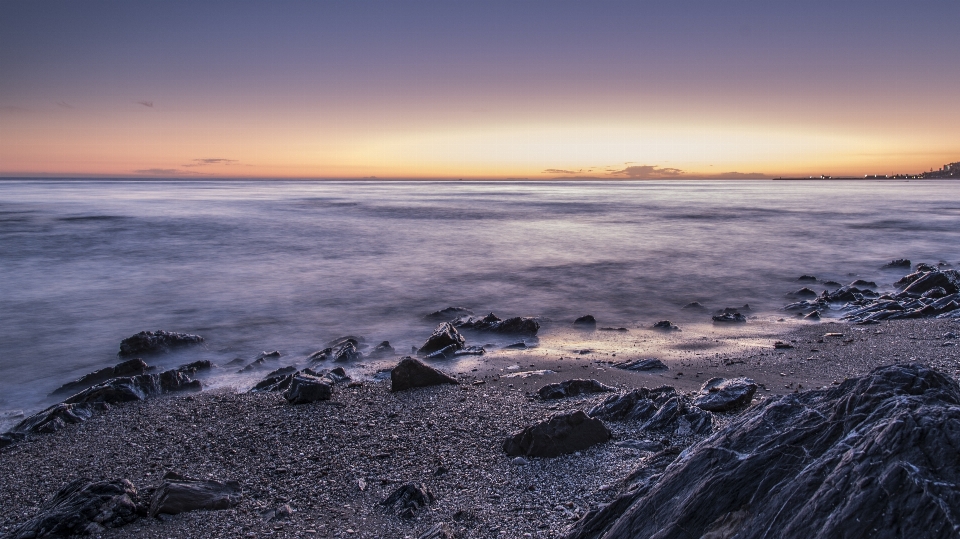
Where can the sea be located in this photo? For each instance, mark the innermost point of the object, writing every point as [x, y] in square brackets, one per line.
[256, 266]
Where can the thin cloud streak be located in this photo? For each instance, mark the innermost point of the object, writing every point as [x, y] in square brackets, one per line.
[648, 172]
[146, 103]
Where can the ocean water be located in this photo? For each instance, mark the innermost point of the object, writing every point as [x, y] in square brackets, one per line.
[265, 265]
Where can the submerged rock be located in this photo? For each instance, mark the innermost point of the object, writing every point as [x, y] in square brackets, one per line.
[179, 494]
[127, 368]
[806, 279]
[383, 350]
[658, 409]
[874, 457]
[410, 373]
[694, 306]
[446, 335]
[448, 313]
[730, 318]
[561, 434]
[492, 323]
[83, 507]
[803, 293]
[347, 352]
[665, 325]
[150, 342]
[898, 263]
[585, 322]
[641, 365]
[572, 388]
[721, 395]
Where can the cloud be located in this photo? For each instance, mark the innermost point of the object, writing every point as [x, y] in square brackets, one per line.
[146, 103]
[211, 161]
[558, 171]
[647, 172]
[740, 176]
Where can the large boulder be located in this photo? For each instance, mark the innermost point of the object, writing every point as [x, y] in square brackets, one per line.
[179, 494]
[151, 342]
[444, 337]
[874, 457]
[721, 395]
[305, 388]
[131, 367]
[563, 433]
[572, 388]
[82, 507]
[410, 373]
[658, 409]
[517, 325]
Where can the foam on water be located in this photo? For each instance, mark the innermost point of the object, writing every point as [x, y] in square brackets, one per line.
[256, 266]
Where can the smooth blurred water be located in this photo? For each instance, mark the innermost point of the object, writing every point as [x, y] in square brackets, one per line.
[266, 265]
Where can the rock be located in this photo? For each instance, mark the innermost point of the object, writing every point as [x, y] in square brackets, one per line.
[278, 380]
[127, 368]
[641, 365]
[519, 461]
[334, 376]
[410, 373]
[340, 341]
[863, 283]
[720, 395]
[585, 322]
[406, 499]
[948, 280]
[806, 279]
[640, 445]
[82, 507]
[150, 342]
[441, 530]
[898, 263]
[803, 293]
[492, 323]
[780, 345]
[730, 318]
[448, 313]
[561, 434]
[55, 418]
[516, 346]
[383, 350]
[572, 388]
[10, 438]
[136, 388]
[192, 368]
[322, 355]
[443, 353]
[470, 351]
[305, 388]
[260, 361]
[695, 306]
[665, 325]
[935, 293]
[347, 352]
[445, 335]
[658, 409]
[179, 494]
[622, 330]
[813, 316]
[874, 457]
[282, 512]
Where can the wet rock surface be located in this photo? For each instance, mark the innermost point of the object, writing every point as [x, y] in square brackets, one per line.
[874, 457]
[560, 434]
[729, 318]
[305, 388]
[83, 507]
[721, 395]
[411, 373]
[649, 364]
[152, 342]
[445, 337]
[448, 313]
[572, 388]
[517, 325]
[131, 367]
[179, 494]
[658, 409]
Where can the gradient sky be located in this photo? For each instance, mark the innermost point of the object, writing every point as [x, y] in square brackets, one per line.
[450, 89]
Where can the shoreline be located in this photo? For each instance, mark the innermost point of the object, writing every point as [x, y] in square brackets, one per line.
[313, 457]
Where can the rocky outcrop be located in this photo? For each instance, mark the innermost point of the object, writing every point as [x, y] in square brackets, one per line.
[929, 292]
[411, 373]
[131, 367]
[721, 395]
[281, 379]
[152, 342]
[658, 409]
[649, 364]
[874, 457]
[561, 434]
[179, 494]
[306, 388]
[82, 507]
[572, 388]
[445, 337]
[492, 323]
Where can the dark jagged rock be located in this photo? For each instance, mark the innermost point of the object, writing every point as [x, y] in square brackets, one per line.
[193, 368]
[383, 350]
[347, 352]
[658, 409]
[813, 316]
[720, 395]
[445, 335]
[130, 367]
[561, 434]
[471, 351]
[585, 322]
[9, 438]
[863, 283]
[947, 280]
[694, 306]
[806, 279]
[55, 418]
[322, 355]
[780, 345]
[874, 457]
[277, 380]
[358, 342]
[179, 494]
[305, 388]
[444, 353]
[929, 292]
[410, 373]
[898, 263]
[83, 507]
[441, 530]
[641, 365]
[803, 293]
[406, 499]
[492, 323]
[151, 342]
[572, 388]
[254, 365]
[934, 293]
[448, 313]
[665, 325]
[730, 318]
[622, 330]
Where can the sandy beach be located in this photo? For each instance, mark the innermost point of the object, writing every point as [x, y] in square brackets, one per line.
[331, 463]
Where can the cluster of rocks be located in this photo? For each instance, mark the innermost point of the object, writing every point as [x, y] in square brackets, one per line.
[447, 341]
[84, 507]
[928, 292]
[518, 325]
[302, 386]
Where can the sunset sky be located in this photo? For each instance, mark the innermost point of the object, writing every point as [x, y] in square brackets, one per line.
[453, 89]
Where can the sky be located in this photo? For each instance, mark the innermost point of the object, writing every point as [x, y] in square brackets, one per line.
[459, 89]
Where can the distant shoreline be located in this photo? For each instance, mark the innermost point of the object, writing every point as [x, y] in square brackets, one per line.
[447, 180]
